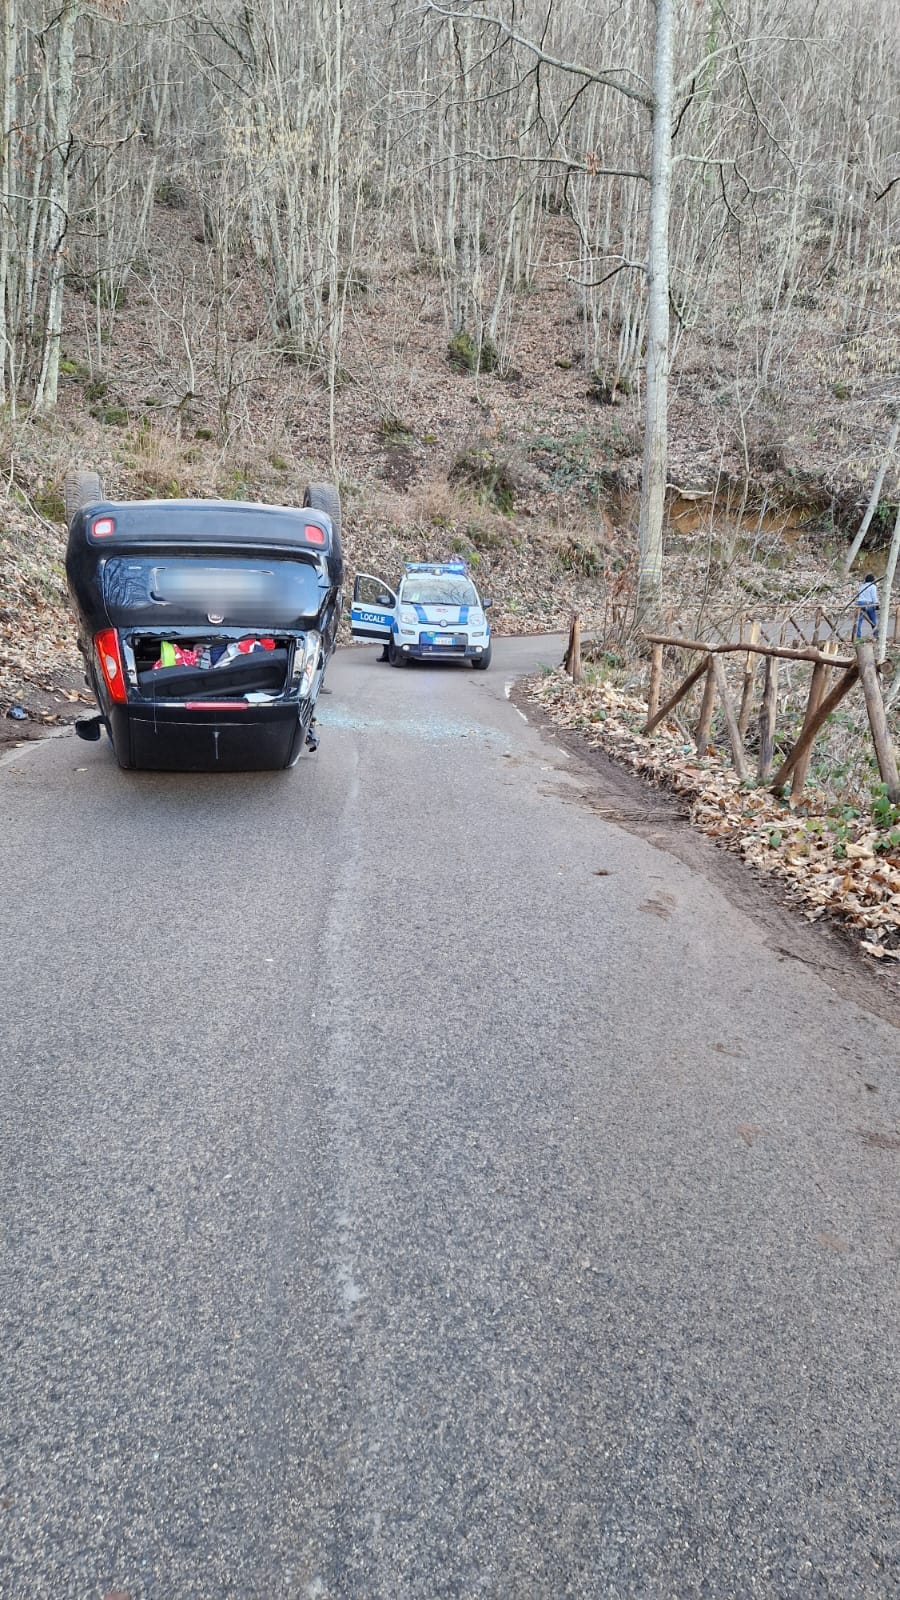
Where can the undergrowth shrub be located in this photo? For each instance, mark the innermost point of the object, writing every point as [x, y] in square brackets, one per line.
[465, 354]
[492, 477]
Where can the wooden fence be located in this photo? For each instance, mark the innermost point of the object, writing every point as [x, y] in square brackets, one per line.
[797, 628]
[836, 667]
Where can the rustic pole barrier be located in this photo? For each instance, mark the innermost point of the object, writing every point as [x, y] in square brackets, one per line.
[826, 706]
[747, 682]
[784, 652]
[767, 714]
[674, 699]
[881, 733]
[701, 737]
[656, 666]
[817, 686]
[572, 662]
[731, 722]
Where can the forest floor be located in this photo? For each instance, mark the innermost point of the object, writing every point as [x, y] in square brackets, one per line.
[530, 473]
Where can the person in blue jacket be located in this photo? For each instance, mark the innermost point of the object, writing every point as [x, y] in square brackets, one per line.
[867, 605]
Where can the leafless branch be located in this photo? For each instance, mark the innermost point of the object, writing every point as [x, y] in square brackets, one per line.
[610, 76]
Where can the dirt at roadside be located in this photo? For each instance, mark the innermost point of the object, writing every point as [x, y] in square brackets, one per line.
[627, 800]
[55, 703]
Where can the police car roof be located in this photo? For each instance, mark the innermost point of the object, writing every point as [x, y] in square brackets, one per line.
[441, 568]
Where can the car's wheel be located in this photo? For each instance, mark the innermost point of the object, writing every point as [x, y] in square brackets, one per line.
[81, 489]
[481, 663]
[325, 497]
[395, 656]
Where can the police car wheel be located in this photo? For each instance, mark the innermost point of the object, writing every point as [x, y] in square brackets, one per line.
[395, 656]
[481, 663]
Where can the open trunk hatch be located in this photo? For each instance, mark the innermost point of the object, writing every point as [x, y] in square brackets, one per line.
[260, 672]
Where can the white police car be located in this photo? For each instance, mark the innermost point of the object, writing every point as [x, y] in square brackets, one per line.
[435, 614]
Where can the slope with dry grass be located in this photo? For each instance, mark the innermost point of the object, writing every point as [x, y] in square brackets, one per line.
[527, 471]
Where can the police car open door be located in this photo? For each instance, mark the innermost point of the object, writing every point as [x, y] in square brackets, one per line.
[374, 605]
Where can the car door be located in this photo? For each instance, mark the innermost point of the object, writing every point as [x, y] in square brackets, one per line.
[373, 610]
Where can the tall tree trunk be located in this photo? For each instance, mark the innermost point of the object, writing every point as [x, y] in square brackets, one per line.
[58, 208]
[336, 292]
[887, 589]
[653, 482]
[7, 225]
[872, 506]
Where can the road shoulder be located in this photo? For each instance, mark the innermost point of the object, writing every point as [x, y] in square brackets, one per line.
[627, 800]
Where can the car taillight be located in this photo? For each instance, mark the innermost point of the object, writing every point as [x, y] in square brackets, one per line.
[109, 657]
[103, 528]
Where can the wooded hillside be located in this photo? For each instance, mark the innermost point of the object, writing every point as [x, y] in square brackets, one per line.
[304, 226]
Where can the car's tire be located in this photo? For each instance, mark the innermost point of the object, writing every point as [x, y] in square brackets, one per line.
[395, 656]
[325, 497]
[481, 663]
[82, 488]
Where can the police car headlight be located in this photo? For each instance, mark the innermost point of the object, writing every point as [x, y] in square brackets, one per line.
[312, 646]
[476, 617]
[407, 617]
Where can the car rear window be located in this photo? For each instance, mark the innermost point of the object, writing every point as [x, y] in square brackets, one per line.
[158, 590]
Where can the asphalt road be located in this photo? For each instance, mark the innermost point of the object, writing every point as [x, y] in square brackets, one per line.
[414, 1187]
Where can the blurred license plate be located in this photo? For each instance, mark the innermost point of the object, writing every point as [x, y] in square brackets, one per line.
[212, 586]
[443, 638]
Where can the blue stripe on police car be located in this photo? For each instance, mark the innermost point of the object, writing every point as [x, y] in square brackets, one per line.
[369, 616]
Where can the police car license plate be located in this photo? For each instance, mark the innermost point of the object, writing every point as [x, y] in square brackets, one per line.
[443, 638]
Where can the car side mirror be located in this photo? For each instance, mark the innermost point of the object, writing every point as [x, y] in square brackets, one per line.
[385, 600]
[485, 604]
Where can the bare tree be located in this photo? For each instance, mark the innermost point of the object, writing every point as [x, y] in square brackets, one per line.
[888, 588]
[60, 120]
[874, 497]
[653, 480]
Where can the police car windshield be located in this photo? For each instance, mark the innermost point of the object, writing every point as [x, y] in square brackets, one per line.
[445, 590]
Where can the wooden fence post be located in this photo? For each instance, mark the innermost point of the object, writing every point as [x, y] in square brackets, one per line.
[572, 661]
[656, 666]
[673, 700]
[881, 733]
[826, 706]
[817, 686]
[701, 737]
[747, 684]
[767, 713]
[737, 743]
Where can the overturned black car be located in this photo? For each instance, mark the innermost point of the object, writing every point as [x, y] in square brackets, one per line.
[205, 625]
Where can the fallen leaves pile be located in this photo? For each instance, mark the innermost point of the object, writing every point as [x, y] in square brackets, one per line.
[37, 633]
[833, 865]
